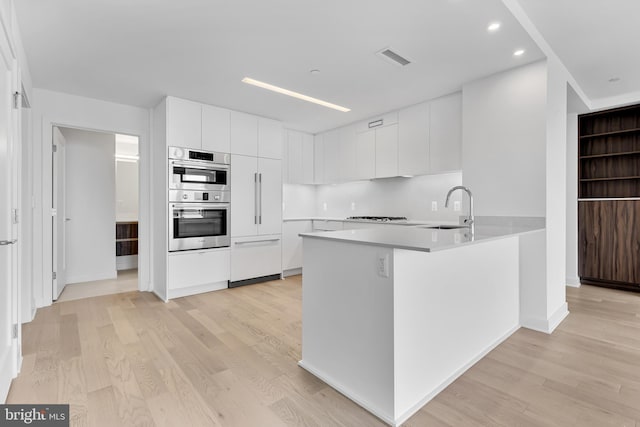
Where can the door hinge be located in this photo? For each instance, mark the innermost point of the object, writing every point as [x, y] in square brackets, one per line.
[14, 331]
[16, 100]
[54, 275]
[54, 148]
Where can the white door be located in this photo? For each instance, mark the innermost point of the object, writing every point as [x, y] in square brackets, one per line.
[8, 238]
[270, 196]
[244, 203]
[59, 217]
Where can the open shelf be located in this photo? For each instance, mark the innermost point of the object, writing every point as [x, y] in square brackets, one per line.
[611, 178]
[615, 132]
[624, 153]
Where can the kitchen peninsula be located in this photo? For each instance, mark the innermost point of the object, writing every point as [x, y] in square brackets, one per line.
[392, 316]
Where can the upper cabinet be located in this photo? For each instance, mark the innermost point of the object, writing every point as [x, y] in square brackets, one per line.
[318, 159]
[298, 158]
[215, 129]
[194, 125]
[184, 123]
[255, 136]
[413, 140]
[446, 134]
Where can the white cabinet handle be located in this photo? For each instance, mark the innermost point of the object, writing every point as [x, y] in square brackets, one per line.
[255, 198]
[260, 195]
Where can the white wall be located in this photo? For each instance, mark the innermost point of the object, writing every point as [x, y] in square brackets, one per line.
[503, 149]
[54, 108]
[90, 205]
[126, 190]
[410, 197]
[572, 201]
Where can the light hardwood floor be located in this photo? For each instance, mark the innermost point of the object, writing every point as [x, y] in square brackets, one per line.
[228, 358]
[126, 281]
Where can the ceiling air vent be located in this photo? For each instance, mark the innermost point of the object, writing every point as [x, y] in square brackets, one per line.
[390, 56]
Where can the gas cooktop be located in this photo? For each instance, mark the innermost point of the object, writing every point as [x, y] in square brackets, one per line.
[379, 218]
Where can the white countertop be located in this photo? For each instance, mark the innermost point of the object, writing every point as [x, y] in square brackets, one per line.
[364, 221]
[417, 238]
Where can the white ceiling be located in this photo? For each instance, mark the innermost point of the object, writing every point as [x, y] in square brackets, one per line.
[596, 40]
[136, 52]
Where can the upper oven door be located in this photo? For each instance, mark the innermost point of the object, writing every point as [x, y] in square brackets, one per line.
[193, 175]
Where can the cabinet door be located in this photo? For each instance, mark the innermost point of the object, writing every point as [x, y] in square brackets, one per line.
[215, 129]
[307, 159]
[270, 138]
[197, 268]
[446, 134]
[184, 123]
[256, 256]
[331, 152]
[294, 156]
[270, 196]
[413, 140]
[609, 241]
[292, 243]
[244, 212]
[244, 134]
[366, 155]
[318, 159]
[387, 151]
[347, 154]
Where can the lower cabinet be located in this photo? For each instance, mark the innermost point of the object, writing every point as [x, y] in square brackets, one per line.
[193, 272]
[292, 245]
[255, 259]
[609, 243]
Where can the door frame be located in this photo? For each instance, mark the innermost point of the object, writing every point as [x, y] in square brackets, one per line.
[144, 203]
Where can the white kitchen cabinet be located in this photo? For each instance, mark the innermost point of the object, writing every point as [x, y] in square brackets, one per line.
[308, 152]
[413, 140]
[347, 154]
[255, 257]
[366, 154]
[292, 243]
[244, 134]
[446, 133]
[299, 159]
[191, 272]
[387, 151]
[256, 196]
[331, 160]
[215, 129]
[270, 137]
[184, 123]
[318, 159]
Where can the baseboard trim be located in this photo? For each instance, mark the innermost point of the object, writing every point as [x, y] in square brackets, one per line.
[192, 290]
[292, 272]
[423, 401]
[573, 282]
[254, 280]
[547, 325]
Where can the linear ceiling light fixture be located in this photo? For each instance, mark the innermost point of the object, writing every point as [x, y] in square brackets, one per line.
[294, 94]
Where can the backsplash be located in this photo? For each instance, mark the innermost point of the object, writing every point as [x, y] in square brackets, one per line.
[410, 197]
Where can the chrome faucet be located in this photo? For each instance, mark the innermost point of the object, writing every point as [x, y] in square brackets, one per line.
[469, 220]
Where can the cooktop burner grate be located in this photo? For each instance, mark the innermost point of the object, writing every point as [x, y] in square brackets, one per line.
[380, 218]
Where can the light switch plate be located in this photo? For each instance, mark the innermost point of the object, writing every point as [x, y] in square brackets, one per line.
[434, 206]
[456, 206]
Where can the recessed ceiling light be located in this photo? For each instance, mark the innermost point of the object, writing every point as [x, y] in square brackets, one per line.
[614, 79]
[518, 52]
[294, 94]
[494, 26]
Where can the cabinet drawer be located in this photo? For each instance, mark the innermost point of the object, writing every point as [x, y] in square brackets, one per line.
[256, 256]
[197, 268]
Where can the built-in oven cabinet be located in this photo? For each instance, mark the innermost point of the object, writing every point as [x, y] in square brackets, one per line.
[198, 126]
[193, 272]
[255, 258]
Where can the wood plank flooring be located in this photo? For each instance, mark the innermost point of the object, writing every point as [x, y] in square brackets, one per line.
[229, 358]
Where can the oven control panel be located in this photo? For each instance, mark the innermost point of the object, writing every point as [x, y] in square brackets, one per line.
[199, 196]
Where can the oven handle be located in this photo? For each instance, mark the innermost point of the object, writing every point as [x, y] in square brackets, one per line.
[204, 166]
[200, 206]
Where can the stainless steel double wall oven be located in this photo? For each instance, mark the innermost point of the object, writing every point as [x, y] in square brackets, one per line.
[199, 199]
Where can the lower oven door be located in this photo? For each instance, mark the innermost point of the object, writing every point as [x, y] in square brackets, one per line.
[198, 226]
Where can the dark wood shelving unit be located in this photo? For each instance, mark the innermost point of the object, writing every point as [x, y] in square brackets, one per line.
[126, 238]
[609, 168]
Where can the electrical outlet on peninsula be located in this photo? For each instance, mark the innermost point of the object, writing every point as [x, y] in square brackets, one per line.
[382, 263]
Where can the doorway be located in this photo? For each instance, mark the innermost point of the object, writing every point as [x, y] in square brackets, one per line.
[95, 196]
